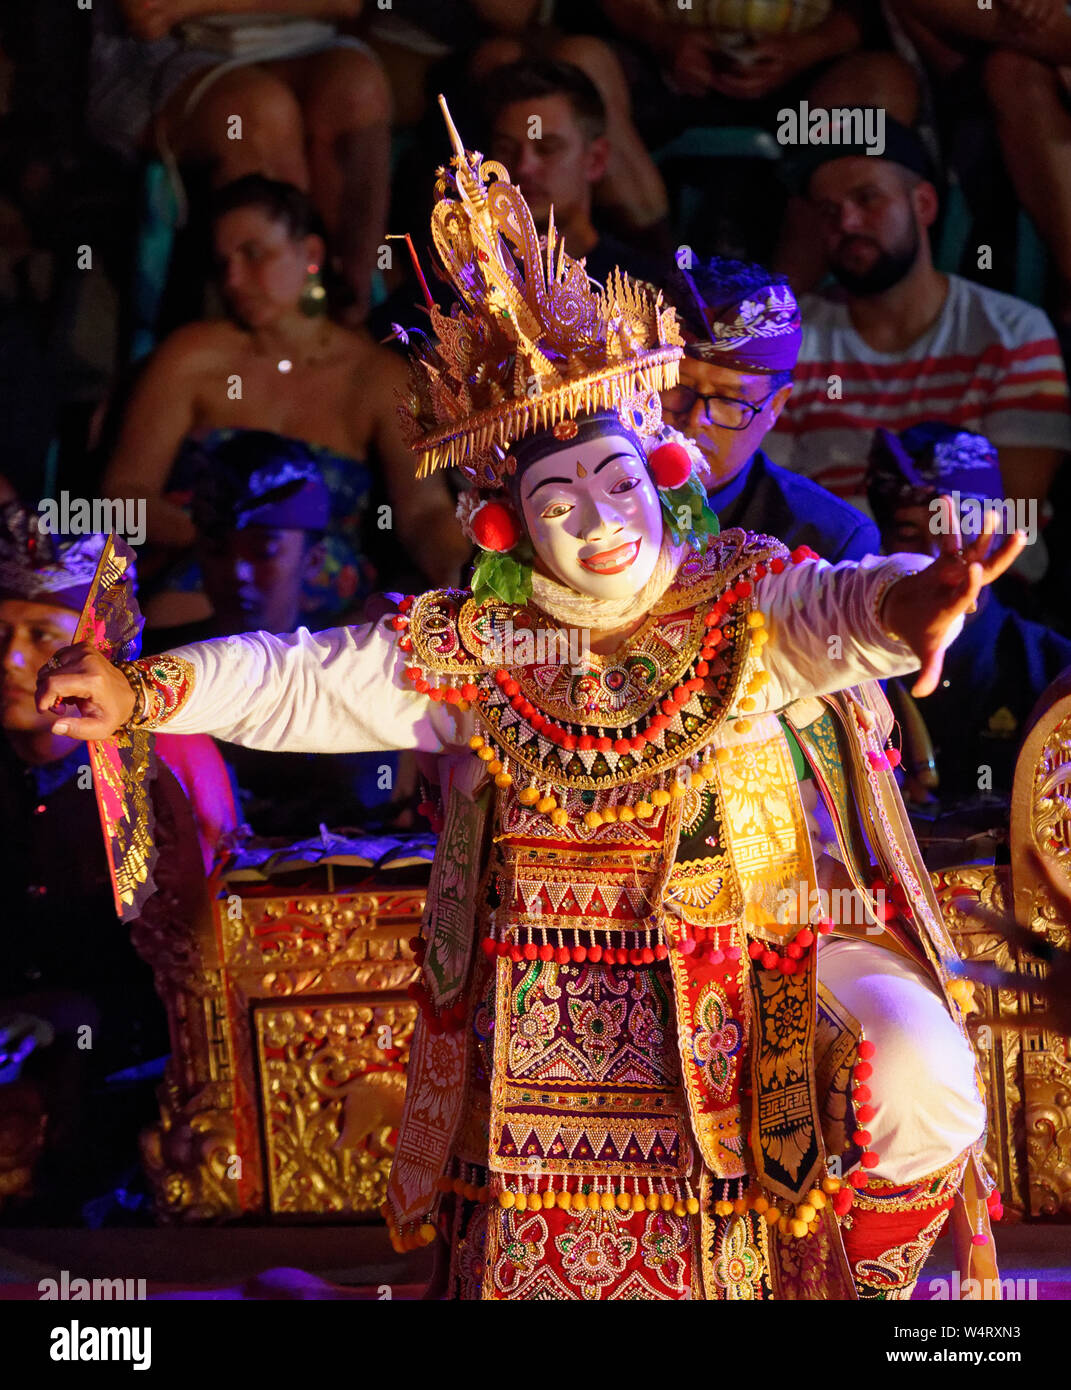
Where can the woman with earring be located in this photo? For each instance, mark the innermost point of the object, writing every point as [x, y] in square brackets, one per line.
[279, 366]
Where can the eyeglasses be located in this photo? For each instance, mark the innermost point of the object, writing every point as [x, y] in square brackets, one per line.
[724, 411]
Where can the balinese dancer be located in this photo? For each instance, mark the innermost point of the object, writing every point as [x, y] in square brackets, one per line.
[642, 1071]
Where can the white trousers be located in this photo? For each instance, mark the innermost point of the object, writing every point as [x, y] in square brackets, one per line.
[924, 1090]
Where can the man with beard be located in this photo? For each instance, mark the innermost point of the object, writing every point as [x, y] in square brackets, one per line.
[904, 343]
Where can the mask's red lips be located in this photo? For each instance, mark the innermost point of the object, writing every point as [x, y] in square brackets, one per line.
[613, 561]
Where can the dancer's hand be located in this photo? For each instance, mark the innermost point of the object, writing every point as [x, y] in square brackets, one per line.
[90, 697]
[921, 608]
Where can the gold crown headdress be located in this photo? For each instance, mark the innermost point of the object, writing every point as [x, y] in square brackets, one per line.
[533, 341]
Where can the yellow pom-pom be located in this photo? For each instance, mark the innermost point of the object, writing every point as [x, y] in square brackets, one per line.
[742, 726]
[626, 813]
[747, 704]
[771, 1216]
[723, 1208]
[784, 1225]
[644, 809]
[660, 797]
[550, 1201]
[528, 796]
[679, 1209]
[428, 1233]
[609, 815]
[638, 1203]
[547, 803]
[592, 820]
[757, 681]
[624, 1201]
[755, 619]
[706, 770]
[962, 991]
[805, 1213]
[831, 1184]
[607, 1201]
[759, 638]
[651, 1201]
[677, 789]
[475, 741]
[817, 1198]
[507, 1200]
[559, 817]
[503, 780]
[564, 1200]
[535, 1202]
[494, 767]
[521, 1203]
[463, 706]
[485, 754]
[691, 1206]
[666, 1201]
[760, 1204]
[798, 1229]
[722, 755]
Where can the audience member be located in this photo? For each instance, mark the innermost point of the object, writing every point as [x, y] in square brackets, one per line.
[742, 325]
[261, 508]
[310, 107]
[64, 956]
[998, 667]
[629, 193]
[562, 163]
[905, 343]
[273, 369]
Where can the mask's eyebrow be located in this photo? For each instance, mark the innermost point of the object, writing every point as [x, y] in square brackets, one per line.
[621, 454]
[567, 481]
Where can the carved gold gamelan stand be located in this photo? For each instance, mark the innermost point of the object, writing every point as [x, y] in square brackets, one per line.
[1027, 1074]
[290, 1034]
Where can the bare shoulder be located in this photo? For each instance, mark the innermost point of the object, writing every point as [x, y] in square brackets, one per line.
[202, 346]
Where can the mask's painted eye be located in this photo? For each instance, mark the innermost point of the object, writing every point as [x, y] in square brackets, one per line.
[624, 485]
[556, 510]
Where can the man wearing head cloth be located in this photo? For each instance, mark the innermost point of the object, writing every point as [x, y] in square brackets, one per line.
[1000, 665]
[742, 331]
[261, 507]
[65, 958]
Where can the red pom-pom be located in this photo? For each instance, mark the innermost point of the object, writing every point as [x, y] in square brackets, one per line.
[858, 1179]
[866, 1050]
[870, 1159]
[863, 1071]
[769, 960]
[670, 465]
[842, 1201]
[893, 755]
[496, 527]
[755, 949]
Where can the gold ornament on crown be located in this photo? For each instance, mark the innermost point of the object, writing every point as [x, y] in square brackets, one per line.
[533, 341]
